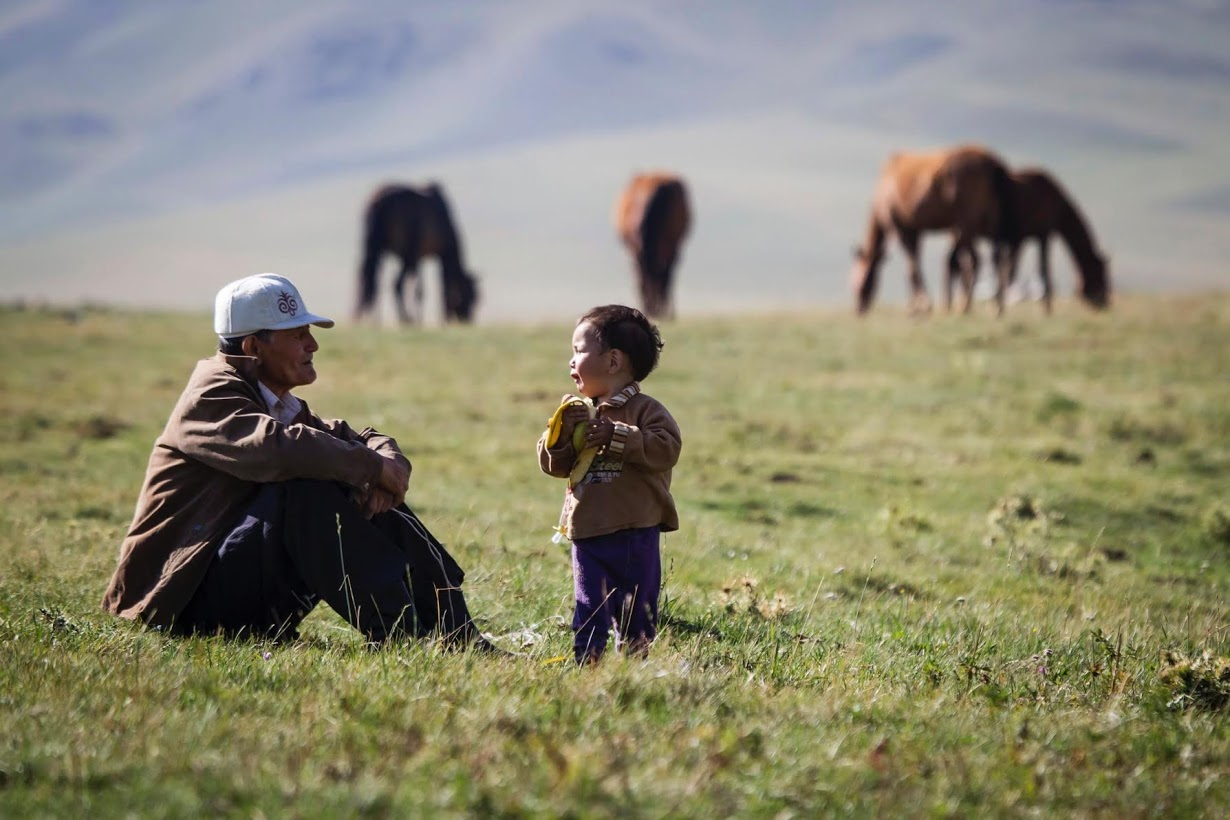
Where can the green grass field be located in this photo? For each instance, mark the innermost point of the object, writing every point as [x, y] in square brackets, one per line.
[955, 566]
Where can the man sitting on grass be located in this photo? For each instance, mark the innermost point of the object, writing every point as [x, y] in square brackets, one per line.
[254, 509]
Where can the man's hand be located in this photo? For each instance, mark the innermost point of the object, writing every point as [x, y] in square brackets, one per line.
[394, 479]
[574, 415]
[377, 501]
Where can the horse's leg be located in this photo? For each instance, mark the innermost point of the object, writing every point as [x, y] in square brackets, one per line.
[963, 264]
[649, 290]
[668, 289]
[368, 272]
[954, 263]
[408, 270]
[1012, 259]
[920, 301]
[448, 297]
[418, 296]
[1004, 257]
[659, 295]
[969, 275]
[958, 258]
[1044, 271]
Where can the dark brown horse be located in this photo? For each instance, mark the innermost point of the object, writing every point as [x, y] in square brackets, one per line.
[1044, 208]
[652, 218]
[412, 223]
[964, 190]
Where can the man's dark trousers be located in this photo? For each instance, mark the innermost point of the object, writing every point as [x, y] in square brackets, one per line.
[303, 541]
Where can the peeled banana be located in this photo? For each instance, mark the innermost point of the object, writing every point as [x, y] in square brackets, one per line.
[585, 455]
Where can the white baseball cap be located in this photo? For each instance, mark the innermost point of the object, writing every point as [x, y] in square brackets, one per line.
[265, 301]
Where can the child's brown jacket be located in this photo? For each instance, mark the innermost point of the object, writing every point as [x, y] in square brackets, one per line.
[629, 484]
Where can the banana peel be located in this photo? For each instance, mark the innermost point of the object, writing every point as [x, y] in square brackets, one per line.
[585, 455]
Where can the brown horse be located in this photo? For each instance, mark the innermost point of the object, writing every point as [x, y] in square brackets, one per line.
[413, 223]
[1044, 208]
[964, 190]
[652, 218]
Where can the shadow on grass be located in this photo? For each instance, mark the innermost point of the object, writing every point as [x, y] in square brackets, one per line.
[689, 627]
[882, 586]
[758, 511]
[741, 626]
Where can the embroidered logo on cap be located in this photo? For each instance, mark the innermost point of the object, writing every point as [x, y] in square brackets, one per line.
[287, 304]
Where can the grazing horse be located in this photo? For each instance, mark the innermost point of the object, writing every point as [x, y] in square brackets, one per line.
[652, 218]
[964, 190]
[412, 223]
[1043, 208]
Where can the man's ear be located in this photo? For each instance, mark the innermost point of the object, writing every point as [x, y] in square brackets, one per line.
[249, 346]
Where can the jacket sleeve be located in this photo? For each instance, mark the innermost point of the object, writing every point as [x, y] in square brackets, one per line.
[224, 427]
[371, 439]
[556, 461]
[653, 442]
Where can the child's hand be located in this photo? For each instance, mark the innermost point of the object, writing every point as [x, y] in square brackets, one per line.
[573, 416]
[598, 432]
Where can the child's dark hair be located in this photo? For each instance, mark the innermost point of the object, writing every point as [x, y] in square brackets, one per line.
[619, 327]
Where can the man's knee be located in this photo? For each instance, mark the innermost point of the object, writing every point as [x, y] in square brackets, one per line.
[315, 490]
[317, 512]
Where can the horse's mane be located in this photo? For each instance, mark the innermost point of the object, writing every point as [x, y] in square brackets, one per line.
[438, 203]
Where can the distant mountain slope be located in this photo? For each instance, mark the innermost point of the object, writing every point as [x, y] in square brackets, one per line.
[151, 114]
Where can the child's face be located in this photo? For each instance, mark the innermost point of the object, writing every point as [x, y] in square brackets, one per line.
[597, 373]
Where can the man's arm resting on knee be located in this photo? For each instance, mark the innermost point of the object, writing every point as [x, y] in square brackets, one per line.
[222, 424]
[393, 479]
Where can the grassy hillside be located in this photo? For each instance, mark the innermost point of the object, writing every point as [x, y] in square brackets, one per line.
[951, 566]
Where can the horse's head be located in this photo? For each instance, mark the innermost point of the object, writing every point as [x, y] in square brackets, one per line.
[461, 297]
[1095, 282]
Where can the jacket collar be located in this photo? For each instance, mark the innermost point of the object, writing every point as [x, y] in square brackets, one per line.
[621, 398]
[285, 410]
[245, 366]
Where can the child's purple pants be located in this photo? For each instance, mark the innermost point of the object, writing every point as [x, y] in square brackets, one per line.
[617, 578]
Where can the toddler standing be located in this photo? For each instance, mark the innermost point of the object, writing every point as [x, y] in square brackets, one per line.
[616, 513]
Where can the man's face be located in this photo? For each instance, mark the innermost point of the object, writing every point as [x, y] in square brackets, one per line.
[285, 361]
